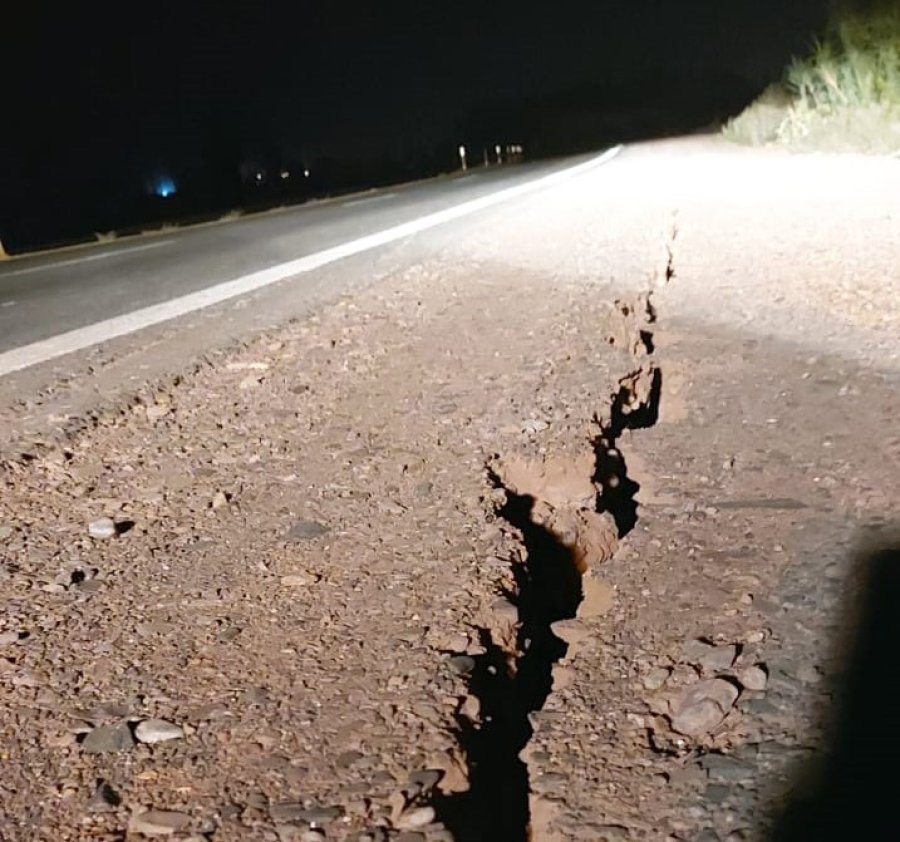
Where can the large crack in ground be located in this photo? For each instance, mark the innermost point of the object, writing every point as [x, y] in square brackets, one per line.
[568, 516]
[511, 679]
[562, 536]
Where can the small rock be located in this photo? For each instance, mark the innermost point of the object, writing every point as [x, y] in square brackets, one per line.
[416, 818]
[251, 381]
[297, 580]
[107, 739]
[103, 710]
[8, 637]
[609, 832]
[718, 658]
[296, 811]
[656, 678]
[426, 779]
[808, 674]
[158, 822]
[247, 366]
[219, 500]
[156, 411]
[462, 664]
[347, 758]
[306, 530]
[703, 706]
[534, 425]
[712, 658]
[157, 731]
[102, 528]
[754, 678]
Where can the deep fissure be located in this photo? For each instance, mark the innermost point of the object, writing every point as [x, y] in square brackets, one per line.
[628, 411]
[509, 686]
[548, 588]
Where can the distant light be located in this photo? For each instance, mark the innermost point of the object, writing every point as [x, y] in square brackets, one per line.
[259, 176]
[285, 174]
[306, 173]
[164, 187]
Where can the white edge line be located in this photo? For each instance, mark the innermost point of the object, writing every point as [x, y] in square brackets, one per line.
[93, 334]
[49, 267]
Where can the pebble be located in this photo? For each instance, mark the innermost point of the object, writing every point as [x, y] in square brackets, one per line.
[754, 678]
[718, 658]
[534, 425]
[711, 658]
[462, 664]
[297, 580]
[295, 811]
[703, 706]
[347, 759]
[158, 822]
[610, 832]
[157, 731]
[157, 411]
[412, 819]
[808, 674]
[102, 528]
[306, 530]
[8, 637]
[655, 679]
[107, 739]
[426, 779]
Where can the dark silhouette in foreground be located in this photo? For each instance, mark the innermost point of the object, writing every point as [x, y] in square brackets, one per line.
[851, 792]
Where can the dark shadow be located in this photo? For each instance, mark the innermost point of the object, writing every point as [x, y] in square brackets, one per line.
[548, 588]
[850, 790]
[617, 489]
[124, 526]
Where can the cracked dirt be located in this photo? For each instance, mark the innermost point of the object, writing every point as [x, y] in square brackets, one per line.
[548, 535]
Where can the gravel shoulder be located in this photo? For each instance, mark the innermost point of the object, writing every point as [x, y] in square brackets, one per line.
[551, 527]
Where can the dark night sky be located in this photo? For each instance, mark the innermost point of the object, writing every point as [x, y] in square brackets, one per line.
[95, 94]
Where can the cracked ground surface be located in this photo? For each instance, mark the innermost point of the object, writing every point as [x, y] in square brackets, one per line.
[405, 569]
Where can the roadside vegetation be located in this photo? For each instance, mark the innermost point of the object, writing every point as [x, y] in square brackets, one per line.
[843, 96]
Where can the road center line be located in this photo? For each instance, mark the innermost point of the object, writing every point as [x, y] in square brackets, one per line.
[47, 267]
[84, 337]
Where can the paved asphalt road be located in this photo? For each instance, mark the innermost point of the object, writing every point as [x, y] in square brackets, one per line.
[44, 295]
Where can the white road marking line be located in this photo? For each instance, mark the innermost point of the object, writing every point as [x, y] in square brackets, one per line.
[85, 337]
[47, 267]
[367, 199]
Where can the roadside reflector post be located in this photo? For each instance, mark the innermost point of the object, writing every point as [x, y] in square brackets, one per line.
[462, 157]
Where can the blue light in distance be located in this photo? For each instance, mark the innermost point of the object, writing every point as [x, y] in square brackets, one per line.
[164, 187]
